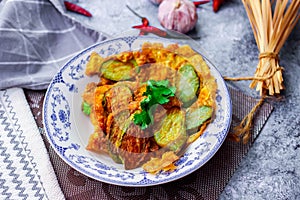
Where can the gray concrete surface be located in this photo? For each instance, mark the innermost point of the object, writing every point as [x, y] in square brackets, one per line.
[271, 169]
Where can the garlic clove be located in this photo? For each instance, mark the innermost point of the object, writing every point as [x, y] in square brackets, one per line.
[178, 15]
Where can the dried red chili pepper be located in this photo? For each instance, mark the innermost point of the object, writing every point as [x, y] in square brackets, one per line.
[217, 4]
[145, 21]
[197, 3]
[150, 29]
[75, 8]
[145, 28]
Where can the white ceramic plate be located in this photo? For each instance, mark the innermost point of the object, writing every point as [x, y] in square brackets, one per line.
[68, 129]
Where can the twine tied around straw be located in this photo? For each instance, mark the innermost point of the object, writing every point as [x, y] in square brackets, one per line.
[242, 131]
[270, 55]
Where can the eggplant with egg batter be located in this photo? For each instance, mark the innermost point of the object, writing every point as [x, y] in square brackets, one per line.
[149, 105]
[188, 84]
[116, 70]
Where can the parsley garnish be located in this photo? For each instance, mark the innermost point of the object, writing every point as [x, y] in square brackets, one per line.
[157, 92]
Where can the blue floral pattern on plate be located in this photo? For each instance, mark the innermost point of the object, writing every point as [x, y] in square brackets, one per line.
[68, 129]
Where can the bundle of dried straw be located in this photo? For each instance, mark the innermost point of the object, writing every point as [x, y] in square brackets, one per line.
[271, 23]
[271, 28]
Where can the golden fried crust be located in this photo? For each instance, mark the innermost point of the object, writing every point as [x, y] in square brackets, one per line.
[104, 81]
[199, 65]
[164, 163]
[99, 111]
[97, 142]
[125, 56]
[174, 102]
[88, 94]
[93, 64]
[140, 58]
[118, 99]
[172, 47]
[134, 106]
[136, 147]
[157, 72]
[109, 122]
[185, 51]
[148, 45]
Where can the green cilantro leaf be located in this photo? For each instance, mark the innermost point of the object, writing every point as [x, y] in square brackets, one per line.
[157, 92]
[142, 119]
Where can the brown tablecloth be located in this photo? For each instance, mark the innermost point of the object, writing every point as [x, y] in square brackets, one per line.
[206, 183]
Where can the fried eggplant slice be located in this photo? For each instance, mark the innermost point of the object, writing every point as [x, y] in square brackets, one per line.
[187, 84]
[135, 146]
[128, 143]
[118, 98]
[195, 117]
[118, 128]
[88, 98]
[172, 133]
[99, 111]
[157, 72]
[88, 94]
[97, 142]
[116, 70]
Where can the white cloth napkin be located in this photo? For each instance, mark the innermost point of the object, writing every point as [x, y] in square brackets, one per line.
[25, 171]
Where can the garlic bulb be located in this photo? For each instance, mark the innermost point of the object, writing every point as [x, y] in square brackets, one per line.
[156, 1]
[178, 15]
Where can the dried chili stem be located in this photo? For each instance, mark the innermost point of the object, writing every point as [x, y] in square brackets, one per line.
[135, 13]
